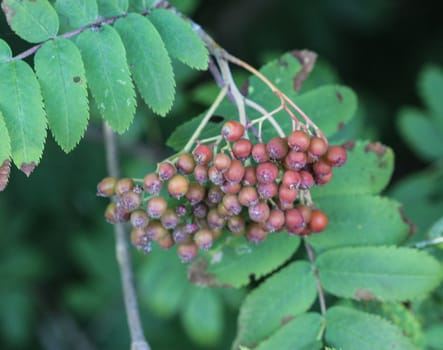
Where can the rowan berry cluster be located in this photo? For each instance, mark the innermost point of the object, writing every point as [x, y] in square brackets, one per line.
[245, 189]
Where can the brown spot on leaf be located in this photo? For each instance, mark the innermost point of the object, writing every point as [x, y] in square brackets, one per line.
[5, 171]
[286, 319]
[197, 274]
[307, 60]
[340, 126]
[339, 96]
[362, 294]
[9, 12]
[76, 79]
[378, 148]
[28, 168]
[412, 227]
[349, 145]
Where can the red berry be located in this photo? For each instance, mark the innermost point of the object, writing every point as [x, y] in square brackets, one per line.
[232, 130]
[242, 149]
[187, 252]
[295, 160]
[170, 219]
[232, 205]
[156, 206]
[321, 168]
[111, 215]
[267, 190]
[267, 172]
[222, 162]
[250, 178]
[286, 194]
[123, 186]
[200, 210]
[305, 211]
[155, 230]
[259, 153]
[139, 237]
[185, 163]
[201, 173]
[336, 156]
[277, 148]
[259, 212]
[202, 154]
[306, 180]
[254, 233]
[204, 238]
[106, 187]
[215, 195]
[291, 179]
[180, 234]
[178, 185]
[139, 219]
[317, 147]
[293, 220]
[299, 141]
[196, 193]
[318, 221]
[231, 187]
[323, 179]
[248, 196]
[215, 176]
[235, 172]
[129, 201]
[276, 221]
[166, 241]
[236, 224]
[165, 171]
[152, 183]
[215, 221]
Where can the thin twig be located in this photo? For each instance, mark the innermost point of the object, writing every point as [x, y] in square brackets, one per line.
[138, 341]
[321, 294]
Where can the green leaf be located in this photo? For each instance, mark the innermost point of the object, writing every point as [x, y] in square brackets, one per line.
[367, 171]
[162, 283]
[202, 316]
[235, 259]
[5, 52]
[352, 329]
[299, 334]
[360, 220]
[149, 61]
[62, 78]
[140, 5]
[22, 107]
[34, 21]
[281, 298]
[180, 39]
[110, 8]
[431, 90]
[421, 133]
[5, 141]
[378, 273]
[108, 76]
[433, 337]
[79, 13]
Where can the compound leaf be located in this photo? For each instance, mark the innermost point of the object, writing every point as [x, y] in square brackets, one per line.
[61, 73]
[360, 220]
[22, 107]
[149, 61]
[34, 21]
[378, 273]
[79, 13]
[108, 76]
[351, 329]
[180, 39]
[110, 8]
[281, 298]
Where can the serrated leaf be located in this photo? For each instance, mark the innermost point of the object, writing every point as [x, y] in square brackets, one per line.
[431, 90]
[149, 61]
[22, 107]
[180, 39]
[235, 260]
[351, 329]
[162, 283]
[299, 334]
[61, 73]
[110, 8]
[416, 127]
[202, 316]
[5, 52]
[360, 221]
[79, 13]
[378, 273]
[367, 171]
[34, 21]
[282, 297]
[108, 76]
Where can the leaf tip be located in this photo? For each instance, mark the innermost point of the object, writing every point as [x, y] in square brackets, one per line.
[28, 168]
[5, 170]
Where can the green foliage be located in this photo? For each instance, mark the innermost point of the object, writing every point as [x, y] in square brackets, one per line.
[108, 76]
[235, 260]
[352, 329]
[61, 74]
[379, 273]
[430, 85]
[5, 142]
[22, 107]
[149, 61]
[5, 52]
[279, 300]
[180, 39]
[33, 21]
[79, 13]
[109, 8]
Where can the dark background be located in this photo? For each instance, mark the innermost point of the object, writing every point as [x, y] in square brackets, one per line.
[60, 284]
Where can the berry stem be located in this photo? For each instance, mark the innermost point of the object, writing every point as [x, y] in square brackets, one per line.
[221, 95]
[265, 116]
[138, 341]
[321, 294]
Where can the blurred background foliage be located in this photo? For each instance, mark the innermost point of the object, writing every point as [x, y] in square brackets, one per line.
[60, 282]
